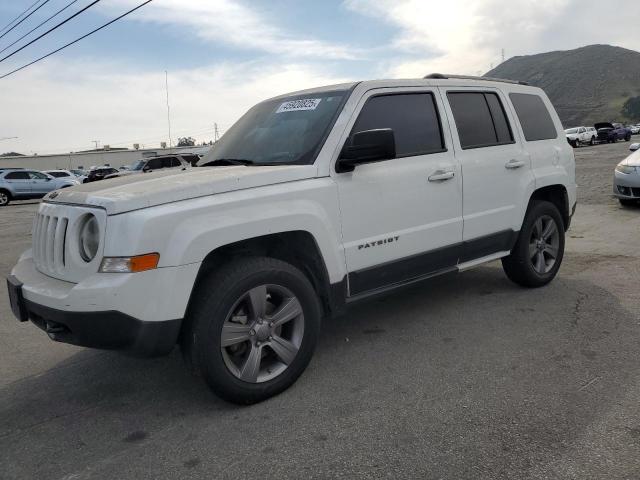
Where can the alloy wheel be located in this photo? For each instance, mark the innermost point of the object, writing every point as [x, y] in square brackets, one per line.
[262, 333]
[4, 199]
[544, 244]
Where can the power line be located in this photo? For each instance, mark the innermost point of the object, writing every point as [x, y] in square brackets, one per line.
[49, 31]
[77, 39]
[31, 13]
[18, 17]
[37, 27]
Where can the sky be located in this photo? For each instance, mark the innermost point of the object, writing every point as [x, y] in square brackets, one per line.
[223, 56]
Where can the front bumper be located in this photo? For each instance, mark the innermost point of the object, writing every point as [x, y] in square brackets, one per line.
[103, 329]
[139, 312]
[626, 186]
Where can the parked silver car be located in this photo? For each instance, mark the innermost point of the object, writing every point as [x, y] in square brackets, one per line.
[27, 184]
[626, 178]
[167, 162]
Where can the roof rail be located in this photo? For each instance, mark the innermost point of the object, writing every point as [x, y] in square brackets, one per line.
[442, 76]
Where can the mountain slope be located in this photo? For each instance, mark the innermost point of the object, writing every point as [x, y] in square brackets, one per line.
[586, 85]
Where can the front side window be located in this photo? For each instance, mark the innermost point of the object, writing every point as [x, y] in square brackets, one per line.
[174, 162]
[154, 164]
[480, 119]
[413, 117]
[287, 130]
[37, 176]
[534, 117]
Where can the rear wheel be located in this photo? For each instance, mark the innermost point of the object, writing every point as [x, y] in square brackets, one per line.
[5, 198]
[627, 137]
[252, 328]
[537, 255]
[592, 142]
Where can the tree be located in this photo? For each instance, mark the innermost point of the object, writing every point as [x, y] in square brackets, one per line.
[631, 108]
[186, 142]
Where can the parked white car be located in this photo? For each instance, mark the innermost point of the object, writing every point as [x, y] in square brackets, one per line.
[147, 165]
[581, 136]
[626, 178]
[310, 202]
[68, 174]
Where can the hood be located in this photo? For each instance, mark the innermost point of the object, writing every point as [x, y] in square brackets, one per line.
[133, 192]
[632, 160]
[603, 125]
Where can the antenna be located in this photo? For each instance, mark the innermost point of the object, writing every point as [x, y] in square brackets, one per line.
[166, 85]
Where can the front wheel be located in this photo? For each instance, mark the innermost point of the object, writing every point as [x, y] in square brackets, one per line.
[627, 138]
[252, 328]
[538, 252]
[592, 142]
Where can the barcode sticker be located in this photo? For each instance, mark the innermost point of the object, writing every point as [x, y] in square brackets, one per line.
[298, 105]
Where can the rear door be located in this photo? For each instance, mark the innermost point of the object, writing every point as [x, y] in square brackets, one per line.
[495, 168]
[397, 224]
[19, 182]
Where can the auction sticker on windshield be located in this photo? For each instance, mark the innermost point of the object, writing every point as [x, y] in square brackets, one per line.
[297, 105]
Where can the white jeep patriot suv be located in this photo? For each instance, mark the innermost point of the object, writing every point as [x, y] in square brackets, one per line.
[311, 201]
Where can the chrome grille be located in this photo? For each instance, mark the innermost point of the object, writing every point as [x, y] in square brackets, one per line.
[49, 239]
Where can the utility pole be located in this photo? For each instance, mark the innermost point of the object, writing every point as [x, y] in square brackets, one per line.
[96, 142]
[503, 55]
[215, 132]
[166, 85]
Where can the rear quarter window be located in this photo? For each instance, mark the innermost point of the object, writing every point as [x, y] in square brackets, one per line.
[534, 117]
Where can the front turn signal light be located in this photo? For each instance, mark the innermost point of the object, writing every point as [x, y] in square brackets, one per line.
[139, 263]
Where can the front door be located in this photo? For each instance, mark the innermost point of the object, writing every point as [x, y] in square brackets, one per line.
[41, 184]
[401, 218]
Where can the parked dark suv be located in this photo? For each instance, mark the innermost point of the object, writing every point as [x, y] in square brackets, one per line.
[612, 132]
[99, 173]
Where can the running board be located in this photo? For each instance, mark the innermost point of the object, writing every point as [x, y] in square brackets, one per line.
[479, 261]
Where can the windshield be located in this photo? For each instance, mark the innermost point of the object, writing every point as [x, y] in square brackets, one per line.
[138, 165]
[287, 130]
[571, 130]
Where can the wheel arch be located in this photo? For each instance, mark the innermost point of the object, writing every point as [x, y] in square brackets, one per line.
[298, 248]
[556, 194]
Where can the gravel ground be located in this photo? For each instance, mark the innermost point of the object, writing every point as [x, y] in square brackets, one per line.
[466, 376]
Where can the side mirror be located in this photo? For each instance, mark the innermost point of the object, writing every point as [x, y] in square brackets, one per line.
[634, 146]
[367, 147]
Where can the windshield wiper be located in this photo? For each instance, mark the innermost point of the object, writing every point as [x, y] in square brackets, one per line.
[227, 161]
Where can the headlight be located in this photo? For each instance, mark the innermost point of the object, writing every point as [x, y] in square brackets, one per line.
[89, 238]
[626, 169]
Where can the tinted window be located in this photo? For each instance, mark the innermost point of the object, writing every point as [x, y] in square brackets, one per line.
[154, 163]
[174, 162]
[58, 174]
[17, 176]
[38, 175]
[413, 118]
[480, 119]
[534, 117]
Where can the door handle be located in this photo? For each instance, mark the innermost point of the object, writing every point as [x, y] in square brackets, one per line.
[441, 175]
[513, 164]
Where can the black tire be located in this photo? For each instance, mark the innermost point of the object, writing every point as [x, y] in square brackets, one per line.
[5, 198]
[625, 202]
[213, 304]
[575, 144]
[592, 142]
[627, 138]
[519, 266]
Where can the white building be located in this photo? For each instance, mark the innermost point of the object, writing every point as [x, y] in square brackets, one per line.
[86, 160]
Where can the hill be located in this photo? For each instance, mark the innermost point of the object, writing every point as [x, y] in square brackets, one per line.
[586, 85]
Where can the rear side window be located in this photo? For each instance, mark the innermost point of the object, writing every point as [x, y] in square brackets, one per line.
[534, 117]
[17, 176]
[413, 117]
[174, 162]
[480, 119]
